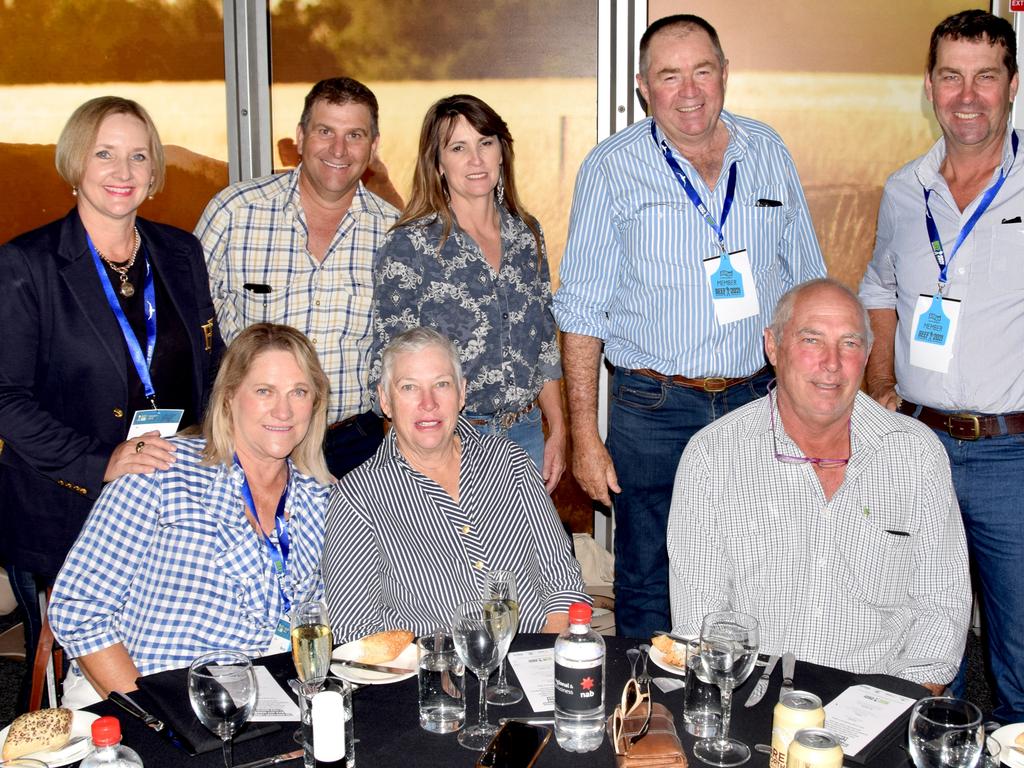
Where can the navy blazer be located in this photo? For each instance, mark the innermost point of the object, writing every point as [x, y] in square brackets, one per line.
[64, 377]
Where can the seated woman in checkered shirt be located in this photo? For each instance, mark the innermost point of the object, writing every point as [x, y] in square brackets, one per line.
[211, 552]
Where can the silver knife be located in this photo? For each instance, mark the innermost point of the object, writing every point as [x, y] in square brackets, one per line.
[788, 668]
[762, 684]
[375, 667]
[268, 761]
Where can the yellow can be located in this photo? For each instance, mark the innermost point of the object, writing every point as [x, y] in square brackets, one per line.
[795, 710]
[814, 748]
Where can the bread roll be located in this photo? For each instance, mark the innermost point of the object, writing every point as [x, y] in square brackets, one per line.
[675, 653]
[44, 730]
[383, 646]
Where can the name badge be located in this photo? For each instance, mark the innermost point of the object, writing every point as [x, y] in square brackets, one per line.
[933, 331]
[165, 420]
[282, 642]
[731, 282]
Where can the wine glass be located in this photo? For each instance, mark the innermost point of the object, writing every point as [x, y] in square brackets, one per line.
[501, 585]
[311, 646]
[482, 631]
[946, 733]
[222, 691]
[728, 652]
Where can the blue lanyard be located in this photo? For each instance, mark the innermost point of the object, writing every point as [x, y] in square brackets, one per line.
[933, 231]
[278, 552]
[684, 182]
[141, 363]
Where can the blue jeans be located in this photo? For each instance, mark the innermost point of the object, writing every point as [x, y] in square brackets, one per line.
[527, 433]
[26, 594]
[987, 476]
[353, 442]
[651, 422]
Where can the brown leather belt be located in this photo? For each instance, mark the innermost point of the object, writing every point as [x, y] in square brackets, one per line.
[503, 420]
[709, 384]
[344, 422]
[965, 426]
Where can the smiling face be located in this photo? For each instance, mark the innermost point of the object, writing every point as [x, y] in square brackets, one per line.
[820, 359]
[118, 171]
[684, 86]
[970, 90]
[336, 148]
[423, 400]
[470, 162]
[272, 408]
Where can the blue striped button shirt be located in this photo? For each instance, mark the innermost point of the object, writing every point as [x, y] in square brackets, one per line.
[399, 553]
[254, 233]
[632, 274]
[168, 565]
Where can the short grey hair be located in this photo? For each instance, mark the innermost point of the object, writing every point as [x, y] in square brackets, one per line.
[416, 340]
[784, 308]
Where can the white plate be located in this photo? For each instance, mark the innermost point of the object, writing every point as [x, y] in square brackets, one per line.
[81, 725]
[407, 658]
[659, 659]
[1006, 736]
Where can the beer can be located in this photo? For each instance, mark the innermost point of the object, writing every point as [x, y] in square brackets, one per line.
[795, 710]
[814, 748]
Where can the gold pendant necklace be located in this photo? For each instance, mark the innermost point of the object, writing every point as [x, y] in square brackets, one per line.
[126, 289]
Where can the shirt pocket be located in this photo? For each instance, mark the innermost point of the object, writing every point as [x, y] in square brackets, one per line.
[666, 245]
[268, 307]
[1006, 260]
[879, 563]
[763, 222]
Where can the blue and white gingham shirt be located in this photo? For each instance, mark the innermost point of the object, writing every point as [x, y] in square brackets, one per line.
[254, 233]
[632, 273]
[168, 565]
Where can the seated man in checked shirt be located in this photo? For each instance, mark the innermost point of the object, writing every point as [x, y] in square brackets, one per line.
[830, 519]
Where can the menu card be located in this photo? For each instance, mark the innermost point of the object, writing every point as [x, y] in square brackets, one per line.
[862, 713]
[536, 673]
[273, 705]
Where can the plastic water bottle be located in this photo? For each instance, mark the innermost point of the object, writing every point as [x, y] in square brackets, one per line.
[579, 683]
[106, 737]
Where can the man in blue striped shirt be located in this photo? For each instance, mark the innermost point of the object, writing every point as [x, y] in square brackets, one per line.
[686, 228]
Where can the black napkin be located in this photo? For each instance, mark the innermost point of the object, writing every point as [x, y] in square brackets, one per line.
[165, 696]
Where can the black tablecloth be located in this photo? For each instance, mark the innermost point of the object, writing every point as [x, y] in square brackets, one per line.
[388, 733]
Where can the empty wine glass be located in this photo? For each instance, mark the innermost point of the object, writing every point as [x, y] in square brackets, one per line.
[728, 652]
[222, 691]
[482, 631]
[311, 647]
[501, 585]
[946, 733]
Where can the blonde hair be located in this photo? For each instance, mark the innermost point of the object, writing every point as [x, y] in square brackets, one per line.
[218, 427]
[79, 135]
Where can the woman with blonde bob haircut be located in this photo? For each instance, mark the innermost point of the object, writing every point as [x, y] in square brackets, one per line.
[466, 259]
[213, 551]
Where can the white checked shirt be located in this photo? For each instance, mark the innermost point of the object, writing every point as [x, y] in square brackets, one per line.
[874, 580]
[254, 234]
[168, 565]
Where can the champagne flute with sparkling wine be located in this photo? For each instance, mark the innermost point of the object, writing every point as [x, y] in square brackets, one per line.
[501, 585]
[482, 632]
[311, 645]
[728, 652]
[222, 692]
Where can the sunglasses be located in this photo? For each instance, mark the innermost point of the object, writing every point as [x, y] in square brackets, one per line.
[632, 699]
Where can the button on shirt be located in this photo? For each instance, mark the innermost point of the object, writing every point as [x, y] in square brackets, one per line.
[501, 321]
[255, 233]
[986, 373]
[836, 582]
[168, 565]
[400, 553]
[632, 274]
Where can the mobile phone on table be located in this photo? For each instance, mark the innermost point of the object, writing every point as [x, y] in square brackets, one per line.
[515, 745]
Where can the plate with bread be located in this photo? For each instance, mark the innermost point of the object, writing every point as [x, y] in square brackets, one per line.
[45, 735]
[393, 648]
[669, 654]
[1007, 736]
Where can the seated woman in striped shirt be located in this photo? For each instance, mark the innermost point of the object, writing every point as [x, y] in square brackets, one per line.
[414, 531]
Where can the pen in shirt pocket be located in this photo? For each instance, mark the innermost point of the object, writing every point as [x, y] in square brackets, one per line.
[257, 287]
[896, 533]
[1014, 220]
[766, 203]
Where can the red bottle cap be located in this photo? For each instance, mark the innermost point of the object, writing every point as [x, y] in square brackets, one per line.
[579, 613]
[106, 731]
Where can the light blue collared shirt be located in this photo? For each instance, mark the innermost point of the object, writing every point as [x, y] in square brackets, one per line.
[633, 275]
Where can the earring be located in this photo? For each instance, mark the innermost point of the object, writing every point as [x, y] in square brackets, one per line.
[500, 192]
[74, 191]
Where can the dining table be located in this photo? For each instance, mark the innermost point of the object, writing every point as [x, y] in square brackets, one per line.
[387, 730]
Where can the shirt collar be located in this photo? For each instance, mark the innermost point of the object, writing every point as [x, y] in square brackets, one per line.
[929, 175]
[360, 203]
[739, 140]
[389, 453]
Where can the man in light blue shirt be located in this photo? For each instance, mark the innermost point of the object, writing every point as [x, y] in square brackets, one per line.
[686, 228]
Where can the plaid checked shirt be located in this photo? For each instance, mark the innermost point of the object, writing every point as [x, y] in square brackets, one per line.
[254, 234]
[873, 580]
[168, 565]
